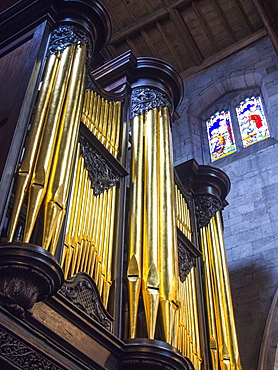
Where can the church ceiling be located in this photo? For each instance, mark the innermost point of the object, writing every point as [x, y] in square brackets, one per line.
[189, 34]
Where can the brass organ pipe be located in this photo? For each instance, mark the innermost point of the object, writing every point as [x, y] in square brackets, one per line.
[76, 218]
[33, 139]
[232, 338]
[168, 236]
[82, 219]
[48, 142]
[134, 262]
[60, 177]
[106, 238]
[97, 116]
[209, 298]
[103, 217]
[84, 216]
[109, 123]
[150, 281]
[219, 296]
[110, 251]
[98, 233]
[117, 128]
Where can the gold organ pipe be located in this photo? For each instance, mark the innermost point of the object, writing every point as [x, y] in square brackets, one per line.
[43, 165]
[106, 239]
[227, 300]
[59, 182]
[98, 234]
[225, 361]
[117, 128]
[34, 138]
[168, 237]
[150, 278]
[103, 217]
[109, 125]
[205, 240]
[76, 218]
[108, 284]
[134, 263]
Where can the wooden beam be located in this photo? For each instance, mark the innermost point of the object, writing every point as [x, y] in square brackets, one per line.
[269, 19]
[224, 20]
[208, 62]
[205, 25]
[143, 23]
[186, 37]
[244, 16]
[149, 43]
[170, 46]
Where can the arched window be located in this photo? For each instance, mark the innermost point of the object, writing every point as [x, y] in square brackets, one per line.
[250, 119]
[252, 122]
[220, 134]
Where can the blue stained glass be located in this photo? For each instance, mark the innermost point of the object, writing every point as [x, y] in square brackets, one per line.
[220, 135]
[252, 121]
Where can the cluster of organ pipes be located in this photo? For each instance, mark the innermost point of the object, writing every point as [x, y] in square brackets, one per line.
[103, 117]
[54, 176]
[222, 334]
[88, 243]
[182, 214]
[152, 256]
[45, 171]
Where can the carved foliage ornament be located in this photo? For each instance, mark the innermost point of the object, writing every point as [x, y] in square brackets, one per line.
[206, 207]
[83, 293]
[143, 99]
[66, 35]
[186, 261]
[101, 175]
[21, 355]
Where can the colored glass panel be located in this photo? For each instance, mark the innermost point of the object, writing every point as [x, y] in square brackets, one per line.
[252, 121]
[220, 135]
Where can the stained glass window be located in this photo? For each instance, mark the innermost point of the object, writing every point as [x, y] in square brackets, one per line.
[252, 121]
[220, 135]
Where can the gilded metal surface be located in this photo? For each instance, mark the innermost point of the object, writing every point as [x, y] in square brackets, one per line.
[182, 214]
[103, 119]
[42, 168]
[34, 139]
[134, 269]
[62, 163]
[224, 347]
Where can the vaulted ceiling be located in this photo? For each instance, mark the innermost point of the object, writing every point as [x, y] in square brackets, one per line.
[189, 34]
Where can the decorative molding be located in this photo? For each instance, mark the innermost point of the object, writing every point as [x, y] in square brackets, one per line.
[206, 207]
[101, 175]
[186, 261]
[66, 35]
[28, 273]
[143, 99]
[22, 356]
[82, 291]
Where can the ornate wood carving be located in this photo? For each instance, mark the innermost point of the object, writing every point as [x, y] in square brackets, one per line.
[186, 261]
[206, 207]
[82, 291]
[66, 35]
[28, 273]
[22, 356]
[100, 173]
[143, 99]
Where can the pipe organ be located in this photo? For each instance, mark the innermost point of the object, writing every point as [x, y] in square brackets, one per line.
[100, 225]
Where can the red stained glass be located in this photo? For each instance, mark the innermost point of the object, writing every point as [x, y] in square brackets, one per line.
[220, 135]
[252, 121]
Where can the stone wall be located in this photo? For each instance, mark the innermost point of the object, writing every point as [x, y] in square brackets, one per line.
[251, 218]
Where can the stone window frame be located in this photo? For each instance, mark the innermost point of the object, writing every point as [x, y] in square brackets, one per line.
[225, 95]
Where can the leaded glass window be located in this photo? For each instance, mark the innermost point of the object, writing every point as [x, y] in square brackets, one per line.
[220, 135]
[252, 121]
